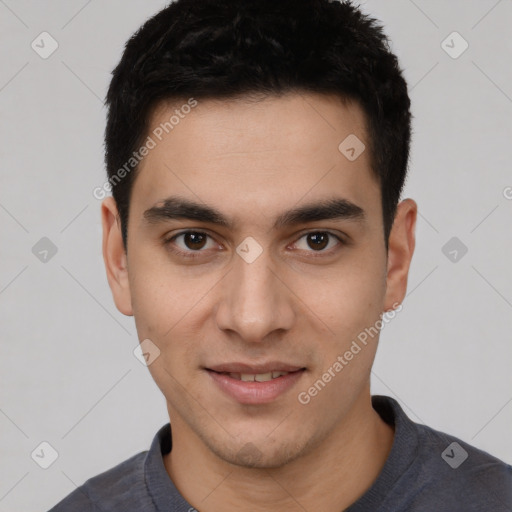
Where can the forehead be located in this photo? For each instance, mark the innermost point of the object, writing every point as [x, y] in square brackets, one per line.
[257, 157]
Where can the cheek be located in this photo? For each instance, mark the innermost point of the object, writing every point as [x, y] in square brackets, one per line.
[155, 306]
[169, 305]
[161, 292]
[350, 300]
[350, 307]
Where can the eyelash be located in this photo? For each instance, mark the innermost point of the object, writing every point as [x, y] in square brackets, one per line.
[196, 254]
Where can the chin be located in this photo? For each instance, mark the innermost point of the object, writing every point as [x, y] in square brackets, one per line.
[264, 454]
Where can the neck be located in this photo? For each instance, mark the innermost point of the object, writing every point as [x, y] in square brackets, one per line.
[330, 477]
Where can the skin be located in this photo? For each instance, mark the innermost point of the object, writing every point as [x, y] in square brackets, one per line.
[252, 161]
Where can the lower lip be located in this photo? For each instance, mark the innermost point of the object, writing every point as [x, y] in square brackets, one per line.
[255, 392]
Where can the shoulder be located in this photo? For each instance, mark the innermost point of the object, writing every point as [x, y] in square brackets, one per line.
[460, 473]
[119, 486]
[430, 470]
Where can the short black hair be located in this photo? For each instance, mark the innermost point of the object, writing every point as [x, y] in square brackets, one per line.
[223, 49]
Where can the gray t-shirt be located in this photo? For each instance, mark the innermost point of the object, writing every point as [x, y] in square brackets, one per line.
[426, 471]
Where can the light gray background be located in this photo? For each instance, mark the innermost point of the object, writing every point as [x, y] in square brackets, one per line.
[69, 376]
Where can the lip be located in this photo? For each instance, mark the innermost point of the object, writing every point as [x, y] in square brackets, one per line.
[255, 392]
[276, 366]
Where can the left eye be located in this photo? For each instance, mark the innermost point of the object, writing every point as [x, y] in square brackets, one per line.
[318, 240]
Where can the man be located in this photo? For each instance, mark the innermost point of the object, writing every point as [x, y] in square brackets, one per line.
[256, 153]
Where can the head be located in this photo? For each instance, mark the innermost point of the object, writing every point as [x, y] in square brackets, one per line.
[264, 147]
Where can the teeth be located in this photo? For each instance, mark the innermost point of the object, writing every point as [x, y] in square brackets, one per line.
[259, 377]
[263, 377]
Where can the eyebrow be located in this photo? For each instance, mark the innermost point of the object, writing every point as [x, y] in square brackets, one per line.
[176, 207]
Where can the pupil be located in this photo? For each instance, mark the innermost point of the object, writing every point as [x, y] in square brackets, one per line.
[192, 239]
[319, 237]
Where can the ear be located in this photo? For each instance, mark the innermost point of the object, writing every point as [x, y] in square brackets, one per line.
[400, 250]
[114, 256]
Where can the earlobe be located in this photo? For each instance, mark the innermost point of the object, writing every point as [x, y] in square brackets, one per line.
[114, 256]
[400, 251]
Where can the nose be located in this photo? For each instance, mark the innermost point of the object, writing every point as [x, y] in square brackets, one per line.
[256, 300]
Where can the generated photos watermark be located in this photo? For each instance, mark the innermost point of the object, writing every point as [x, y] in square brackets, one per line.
[150, 143]
[305, 397]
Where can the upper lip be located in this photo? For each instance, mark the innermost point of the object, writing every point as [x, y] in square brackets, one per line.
[271, 366]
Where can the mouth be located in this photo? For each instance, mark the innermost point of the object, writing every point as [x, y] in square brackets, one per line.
[257, 377]
[254, 386]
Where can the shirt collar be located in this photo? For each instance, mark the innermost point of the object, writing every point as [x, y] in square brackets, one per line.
[166, 496]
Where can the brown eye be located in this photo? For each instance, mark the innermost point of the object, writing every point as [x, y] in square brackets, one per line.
[318, 241]
[194, 240]
[192, 243]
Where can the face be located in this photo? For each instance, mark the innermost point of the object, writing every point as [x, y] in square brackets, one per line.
[234, 281]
